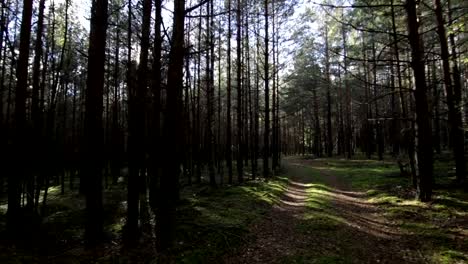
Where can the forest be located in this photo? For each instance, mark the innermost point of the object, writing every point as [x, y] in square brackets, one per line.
[233, 131]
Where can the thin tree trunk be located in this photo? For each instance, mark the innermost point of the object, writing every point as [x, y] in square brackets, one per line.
[210, 94]
[240, 147]
[348, 126]
[156, 90]
[228, 103]
[266, 132]
[329, 100]
[378, 125]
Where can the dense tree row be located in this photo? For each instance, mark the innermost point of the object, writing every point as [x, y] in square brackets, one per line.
[161, 105]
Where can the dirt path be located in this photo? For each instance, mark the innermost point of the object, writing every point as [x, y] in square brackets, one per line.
[275, 237]
[345, 228]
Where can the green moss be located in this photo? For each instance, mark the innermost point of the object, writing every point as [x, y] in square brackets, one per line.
[385, 199]
[319, 222]
[450, 256]
[215, 221]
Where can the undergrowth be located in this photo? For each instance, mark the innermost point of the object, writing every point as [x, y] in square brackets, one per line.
[214, 222]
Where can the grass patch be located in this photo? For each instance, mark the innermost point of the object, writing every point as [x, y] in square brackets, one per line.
[213, 222]
[450, 257]
[365, 175]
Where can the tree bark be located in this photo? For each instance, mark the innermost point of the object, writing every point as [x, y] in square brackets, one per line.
[169, 194]
[266, 132]
[228, 103]
[453, 98]
[93, 121]
[240, 147]
[329, 100]
[423, 127]
[20, 151]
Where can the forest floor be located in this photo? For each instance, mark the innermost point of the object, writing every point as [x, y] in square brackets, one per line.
[314, 211]
[356, 211]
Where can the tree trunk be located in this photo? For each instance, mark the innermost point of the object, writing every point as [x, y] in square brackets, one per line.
[266, 132]
[329, 141]
[240, 147]
[156, 91]
[453, 98]
[136, 127]
[20, 151]
[93, 122]
[210, 94]
[423, 128]
[169, 194]
[348, 137]
[228, 103]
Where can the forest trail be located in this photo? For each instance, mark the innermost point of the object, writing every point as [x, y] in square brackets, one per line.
[320, 219]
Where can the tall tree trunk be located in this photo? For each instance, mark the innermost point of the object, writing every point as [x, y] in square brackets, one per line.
[198, 111]
[116, 149]
[210, 94]
[453, 98]
[156, 91]
[274, 147]
[457, 86]
[256, 99]
[93, 121]
[20, 173]
[240, 147]
[228, 103]
[329, 100]
[136, 142]
[220, 146]
[378, 125]
[423, 127]
[250, 109]
[169, 193]
[36, 113]
[348, 136]
[266, 132]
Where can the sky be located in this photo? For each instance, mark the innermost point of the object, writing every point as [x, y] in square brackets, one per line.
[82, 8]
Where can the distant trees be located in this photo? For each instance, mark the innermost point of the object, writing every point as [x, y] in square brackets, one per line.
[380, 86]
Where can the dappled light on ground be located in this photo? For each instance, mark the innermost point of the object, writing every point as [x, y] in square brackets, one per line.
[343, 211]
[317, 211]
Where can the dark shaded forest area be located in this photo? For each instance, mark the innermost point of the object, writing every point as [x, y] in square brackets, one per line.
[233, 131]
